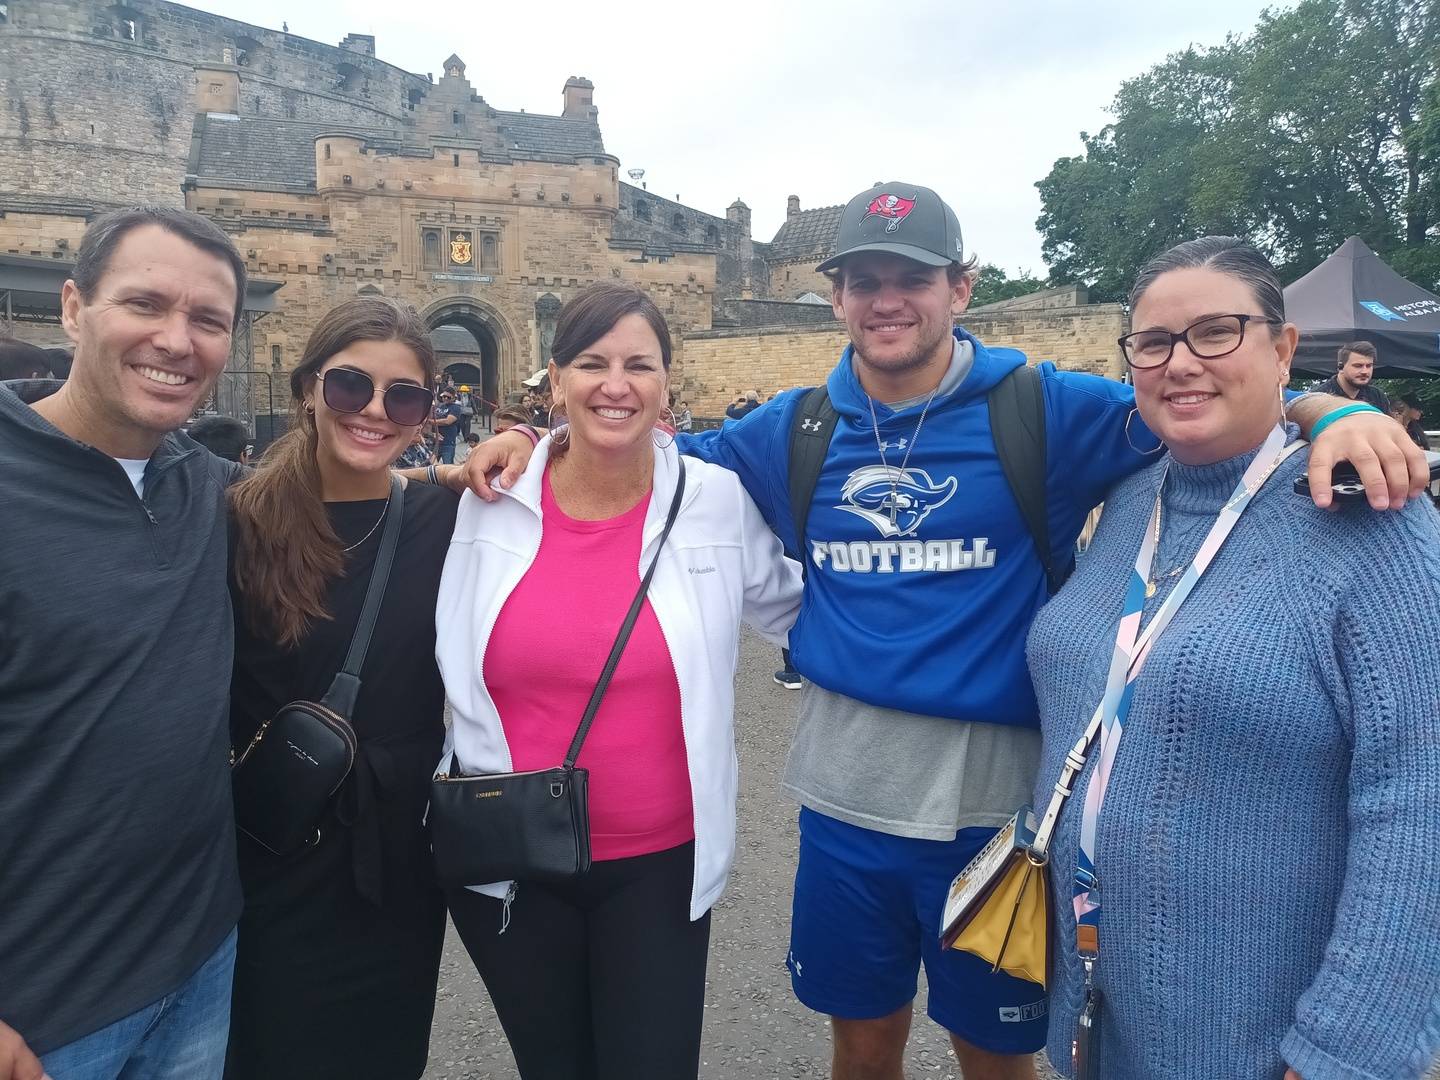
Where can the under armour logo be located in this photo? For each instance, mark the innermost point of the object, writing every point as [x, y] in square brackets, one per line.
[899, 444]
[809, 424]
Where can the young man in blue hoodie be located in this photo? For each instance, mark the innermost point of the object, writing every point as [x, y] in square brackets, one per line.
[918, 728]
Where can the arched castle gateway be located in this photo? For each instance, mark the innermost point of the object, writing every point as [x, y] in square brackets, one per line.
[335, 172]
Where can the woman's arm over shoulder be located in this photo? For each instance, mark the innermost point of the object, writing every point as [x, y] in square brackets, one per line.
[1374, 1007]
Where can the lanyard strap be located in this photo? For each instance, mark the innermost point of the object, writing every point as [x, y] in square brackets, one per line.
[1132, 648]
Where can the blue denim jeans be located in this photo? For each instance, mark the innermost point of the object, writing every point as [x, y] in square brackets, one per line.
[447, 453]
[180, 1037]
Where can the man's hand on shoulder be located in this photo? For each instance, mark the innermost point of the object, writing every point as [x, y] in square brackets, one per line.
[16, 1060]
[1392, 468]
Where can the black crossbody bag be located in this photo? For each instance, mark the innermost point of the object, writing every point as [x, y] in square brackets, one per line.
[529, 826]
[284, 780]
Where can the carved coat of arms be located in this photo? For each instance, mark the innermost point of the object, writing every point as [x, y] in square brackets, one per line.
[460, 249]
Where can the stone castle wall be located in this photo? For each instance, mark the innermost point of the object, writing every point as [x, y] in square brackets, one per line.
[89, 112]
[724, 363]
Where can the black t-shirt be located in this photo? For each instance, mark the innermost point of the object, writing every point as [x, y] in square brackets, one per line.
[1370, 394]
[398, 714]
[448, 432]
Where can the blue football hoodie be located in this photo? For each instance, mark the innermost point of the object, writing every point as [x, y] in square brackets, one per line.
[930, 614]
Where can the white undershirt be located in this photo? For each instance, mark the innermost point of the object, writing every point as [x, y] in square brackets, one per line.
[135, 470]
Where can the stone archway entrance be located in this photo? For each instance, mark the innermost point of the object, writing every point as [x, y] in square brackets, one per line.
[494, 343]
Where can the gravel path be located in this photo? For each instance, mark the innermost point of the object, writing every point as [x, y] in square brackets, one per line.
[754, 1027]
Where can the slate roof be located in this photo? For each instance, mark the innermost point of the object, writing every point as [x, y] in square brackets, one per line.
[811, 232]
[251, 150]
[267, 153]
[536, 133]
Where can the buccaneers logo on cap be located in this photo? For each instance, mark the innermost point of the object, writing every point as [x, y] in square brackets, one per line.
[895, 208]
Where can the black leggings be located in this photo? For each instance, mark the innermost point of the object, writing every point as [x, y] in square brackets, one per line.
[602, 979]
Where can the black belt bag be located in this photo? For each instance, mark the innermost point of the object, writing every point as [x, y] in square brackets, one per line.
[285, 778]
[529, 826]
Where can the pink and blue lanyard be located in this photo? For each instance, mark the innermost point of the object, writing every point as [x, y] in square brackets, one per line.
[1131, 650]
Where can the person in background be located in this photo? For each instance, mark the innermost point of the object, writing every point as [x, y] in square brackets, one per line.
[1411, 413]
[743, 406]
[508, 416]
[466, 400]
[21, 360]
[339, 946]
[603, 977]
[462, 453]
[684, 419]
[1355, 377]
[447, 424]
[1268, 839]
[787, 676]
[223, 436]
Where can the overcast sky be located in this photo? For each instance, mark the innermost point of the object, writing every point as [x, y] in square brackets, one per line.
[816, 98]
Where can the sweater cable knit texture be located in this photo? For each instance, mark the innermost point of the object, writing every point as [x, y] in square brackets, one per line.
[1269, 850]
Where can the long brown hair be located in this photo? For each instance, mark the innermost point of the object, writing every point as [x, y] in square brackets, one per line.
[286, 552]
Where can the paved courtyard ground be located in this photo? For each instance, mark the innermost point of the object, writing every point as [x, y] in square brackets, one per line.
[754, 1027]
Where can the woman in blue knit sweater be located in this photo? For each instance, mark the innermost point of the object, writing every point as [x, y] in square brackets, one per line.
[1268, 843]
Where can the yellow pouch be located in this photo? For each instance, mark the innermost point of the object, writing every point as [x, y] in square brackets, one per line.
[1011, 927]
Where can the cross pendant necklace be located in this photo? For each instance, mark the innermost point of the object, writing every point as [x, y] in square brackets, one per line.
[892, 474]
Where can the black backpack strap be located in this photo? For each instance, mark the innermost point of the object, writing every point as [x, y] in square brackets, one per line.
[1017, 426]
[810, 434]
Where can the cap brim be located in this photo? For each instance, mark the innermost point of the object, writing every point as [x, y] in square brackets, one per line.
[905, 251]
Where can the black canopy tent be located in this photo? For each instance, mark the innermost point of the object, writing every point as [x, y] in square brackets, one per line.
[1354, 296]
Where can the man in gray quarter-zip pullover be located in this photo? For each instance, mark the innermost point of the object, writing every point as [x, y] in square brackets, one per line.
[118, 888]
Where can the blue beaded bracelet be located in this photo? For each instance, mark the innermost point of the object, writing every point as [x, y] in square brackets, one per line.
[1344, 410]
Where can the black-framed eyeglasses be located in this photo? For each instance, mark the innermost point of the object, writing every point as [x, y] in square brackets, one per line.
[348, 391]
[1209, 339]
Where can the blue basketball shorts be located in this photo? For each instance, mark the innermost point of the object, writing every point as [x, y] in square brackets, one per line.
[867, 915]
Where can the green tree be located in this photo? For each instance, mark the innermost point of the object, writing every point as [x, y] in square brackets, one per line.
[1322, 123]
[994, 285]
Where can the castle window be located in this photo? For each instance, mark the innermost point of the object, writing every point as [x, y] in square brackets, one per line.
[128, 29]
[275, 357]
[327, 151]
[4, 13]
[456, 159]
[712, 233]
[456, 118]
[430, 258]
[678, 221]
[489, 252]
[642, 211]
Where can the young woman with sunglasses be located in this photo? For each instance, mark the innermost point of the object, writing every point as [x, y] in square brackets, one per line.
[339, 946]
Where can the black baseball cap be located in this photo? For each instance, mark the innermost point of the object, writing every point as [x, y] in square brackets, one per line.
[901, 219]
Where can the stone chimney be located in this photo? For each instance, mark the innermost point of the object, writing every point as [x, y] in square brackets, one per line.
[739, 213]
[792, 208]
[579, 95]
[361, 43]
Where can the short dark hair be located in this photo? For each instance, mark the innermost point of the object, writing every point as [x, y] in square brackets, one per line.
[1228, 255]
[104, 234]
[473, 439]
[1412, 402]
[223, 436]
[1364, 348]
[593, 313]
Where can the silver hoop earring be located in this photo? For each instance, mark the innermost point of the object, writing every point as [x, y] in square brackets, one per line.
[1143, 453]
[559, 435]
[667, 416]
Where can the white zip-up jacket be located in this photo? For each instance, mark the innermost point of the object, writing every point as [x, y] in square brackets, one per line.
[720, 564]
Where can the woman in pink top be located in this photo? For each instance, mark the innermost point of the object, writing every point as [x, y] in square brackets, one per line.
[605, 977]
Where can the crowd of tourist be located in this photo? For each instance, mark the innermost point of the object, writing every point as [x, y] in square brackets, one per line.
[1266, 842]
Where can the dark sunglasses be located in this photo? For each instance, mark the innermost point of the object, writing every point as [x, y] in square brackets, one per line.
[348, 391]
